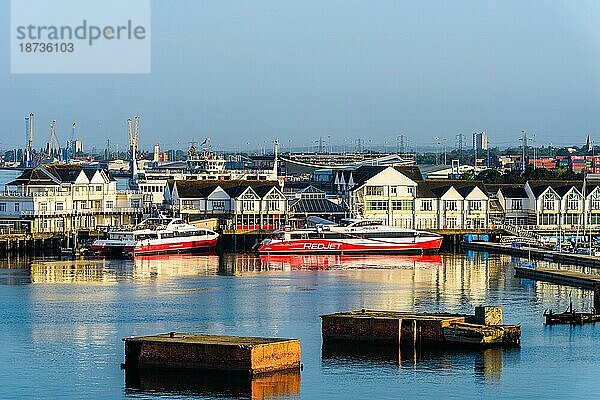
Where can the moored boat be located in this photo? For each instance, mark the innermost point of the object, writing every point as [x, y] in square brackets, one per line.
[351, 236]
[156, 235]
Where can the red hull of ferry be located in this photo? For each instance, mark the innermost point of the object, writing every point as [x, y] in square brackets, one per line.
[178, 247]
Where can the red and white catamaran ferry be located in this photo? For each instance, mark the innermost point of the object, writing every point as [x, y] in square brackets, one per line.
[156, 235]
[351, 236]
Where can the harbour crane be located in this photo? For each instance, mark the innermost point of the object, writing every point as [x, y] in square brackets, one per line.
[70, 144]
[134, 136]
[52, 148]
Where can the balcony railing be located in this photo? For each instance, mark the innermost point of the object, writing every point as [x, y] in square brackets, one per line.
[59, 193]
[90, 211]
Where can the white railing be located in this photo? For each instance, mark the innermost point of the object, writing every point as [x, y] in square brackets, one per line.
[128, 191]
[74, 213]
[12, 194]
[76, 195]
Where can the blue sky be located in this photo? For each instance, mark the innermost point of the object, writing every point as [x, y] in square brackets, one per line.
[249, 71]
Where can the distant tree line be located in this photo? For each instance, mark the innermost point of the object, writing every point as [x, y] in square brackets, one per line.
[530, 174]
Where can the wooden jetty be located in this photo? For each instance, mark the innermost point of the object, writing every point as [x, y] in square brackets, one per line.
[29, 244]
[559, 276]
[569, 278]
[229, 354]
[535, 253]
[484, 329]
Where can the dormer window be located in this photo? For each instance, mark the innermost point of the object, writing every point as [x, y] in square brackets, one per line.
[573, 201]
[548, 201]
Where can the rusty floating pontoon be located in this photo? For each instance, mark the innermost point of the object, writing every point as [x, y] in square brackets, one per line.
[484, 329]
[212, 353]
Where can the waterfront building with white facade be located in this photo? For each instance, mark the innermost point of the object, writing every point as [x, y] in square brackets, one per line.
[64, 198]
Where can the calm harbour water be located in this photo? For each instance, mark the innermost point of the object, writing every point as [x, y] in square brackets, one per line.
[63, 321]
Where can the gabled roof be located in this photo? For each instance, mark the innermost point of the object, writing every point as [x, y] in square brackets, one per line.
[316, 206]
[203, 188]
[310, 189]
[560, 187]
[514, 192]
[495, 206]
[236, 191]
[34, 176]
[89, 173]
[438, 187]
[366, 172]
[493, 188]
[53, 174]
[66, 173]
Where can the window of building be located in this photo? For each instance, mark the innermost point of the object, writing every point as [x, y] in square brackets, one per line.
[516, 204]
[135, 203]
[60, 206]
[218, 205]
[572, 219]
[248, 205]
[403, 205]
[17, 207]
[475, 205]
[109, 204]
[451, 223]
[411, 190]
[573, 201]
[377, 205]
[43, 207]
[2, 207]
[478, 223]
[426, 223]
[595, 219]
[596, 200]
[273, 205]
[374, 190]
[98, 188]
[548, 201]
[548, 219]
[450, 205]
[393, 191]
[426, 205]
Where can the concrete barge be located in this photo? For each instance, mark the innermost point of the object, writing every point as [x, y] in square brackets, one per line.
[483, 329]
[212, 353]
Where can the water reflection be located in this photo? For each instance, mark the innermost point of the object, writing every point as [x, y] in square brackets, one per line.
[174, 265]
[487, 364]
[240, 263]
[329, 261]
[158, 267]
[285, 384]
[142, 268]
[431, 278]
[53, 330]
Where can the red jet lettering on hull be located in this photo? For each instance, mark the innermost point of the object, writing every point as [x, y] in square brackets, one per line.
[321, 246]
